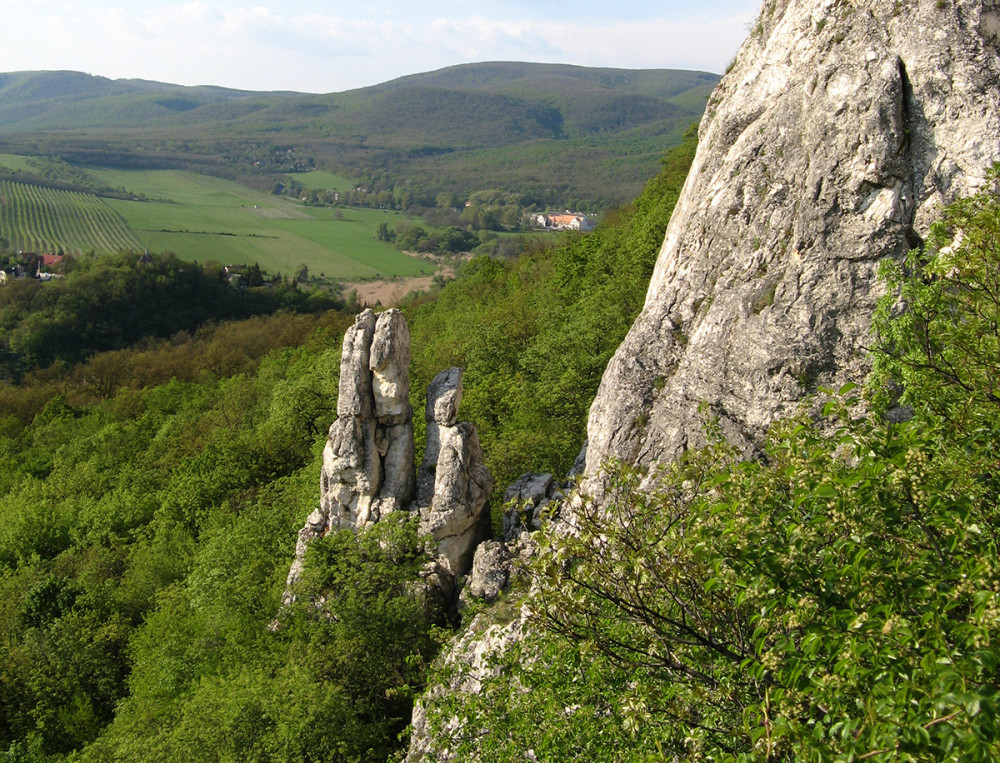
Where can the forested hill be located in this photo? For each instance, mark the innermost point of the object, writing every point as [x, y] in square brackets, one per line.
[67, 100]
[559, 132]
[152, 492]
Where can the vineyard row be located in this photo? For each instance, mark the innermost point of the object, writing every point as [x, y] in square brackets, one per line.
[47, 220]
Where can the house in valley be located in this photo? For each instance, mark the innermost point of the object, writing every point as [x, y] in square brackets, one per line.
[565, 221]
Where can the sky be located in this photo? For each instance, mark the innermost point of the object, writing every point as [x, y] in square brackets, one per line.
[323, 47]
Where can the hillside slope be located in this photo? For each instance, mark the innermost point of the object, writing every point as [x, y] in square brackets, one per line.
[556, 132]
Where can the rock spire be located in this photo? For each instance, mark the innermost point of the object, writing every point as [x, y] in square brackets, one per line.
[368, 462]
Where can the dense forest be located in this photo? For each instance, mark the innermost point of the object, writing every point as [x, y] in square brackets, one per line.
[561, 135]
[837, 600]
[108, 303]
[156, 476]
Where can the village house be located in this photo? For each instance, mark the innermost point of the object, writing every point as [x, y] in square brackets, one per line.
[567, 221]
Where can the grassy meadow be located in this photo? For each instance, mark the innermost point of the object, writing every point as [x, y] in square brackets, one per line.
[199, 218]
[321, 180]
[15, 162]
[204, 218]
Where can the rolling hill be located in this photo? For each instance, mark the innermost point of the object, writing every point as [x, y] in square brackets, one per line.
[555, 132]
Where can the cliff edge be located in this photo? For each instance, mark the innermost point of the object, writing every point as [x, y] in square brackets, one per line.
[841, 130]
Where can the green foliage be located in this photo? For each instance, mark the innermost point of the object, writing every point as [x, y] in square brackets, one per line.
[534, 335]
[107, 303]
[942, 347]
[145, 536]
[837, 600]
[414, 238]
[841, 601]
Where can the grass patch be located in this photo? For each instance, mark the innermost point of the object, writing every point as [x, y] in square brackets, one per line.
[15, 162]
[321, 180]
[204, 218]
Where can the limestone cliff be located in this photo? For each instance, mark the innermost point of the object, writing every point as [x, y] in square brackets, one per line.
[831, 144]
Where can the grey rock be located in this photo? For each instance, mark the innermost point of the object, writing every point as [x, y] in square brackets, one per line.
[354, 395]
[830, 146]
[390, 367]
[436, 591]
[458, 515]
[444, 395]
[368, 460]
[396, 450]
[441, 411]
[352, 473]
[468, 662]
[525, 500]
[490, 572]
[453, 482]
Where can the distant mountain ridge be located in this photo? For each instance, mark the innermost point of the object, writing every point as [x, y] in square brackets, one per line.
[420, 126]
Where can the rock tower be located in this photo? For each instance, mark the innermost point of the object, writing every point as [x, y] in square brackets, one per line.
[368, 462]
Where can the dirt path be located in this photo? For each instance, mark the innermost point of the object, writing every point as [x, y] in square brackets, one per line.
[390, 291]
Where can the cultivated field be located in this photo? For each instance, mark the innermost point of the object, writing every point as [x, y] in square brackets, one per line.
[204, 218]
[36, 219]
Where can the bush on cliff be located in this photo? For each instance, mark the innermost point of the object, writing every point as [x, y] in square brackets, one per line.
[838, 600]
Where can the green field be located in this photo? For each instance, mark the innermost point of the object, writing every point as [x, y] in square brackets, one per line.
[204, 218]
[321, 180]
[36, 219]
[15, 162]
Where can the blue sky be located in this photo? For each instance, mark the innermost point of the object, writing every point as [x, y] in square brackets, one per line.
[332, 46]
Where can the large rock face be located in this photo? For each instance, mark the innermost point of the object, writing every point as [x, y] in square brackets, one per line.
[831, 145]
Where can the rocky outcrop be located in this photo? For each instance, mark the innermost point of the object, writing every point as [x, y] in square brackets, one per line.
[526, 500]
[830, 146]
[368, 462]
[368, 459]
[454, 484]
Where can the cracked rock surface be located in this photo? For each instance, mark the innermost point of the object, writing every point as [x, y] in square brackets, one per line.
[830, 146]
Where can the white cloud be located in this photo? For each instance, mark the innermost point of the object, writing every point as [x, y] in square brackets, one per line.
[323, 47]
